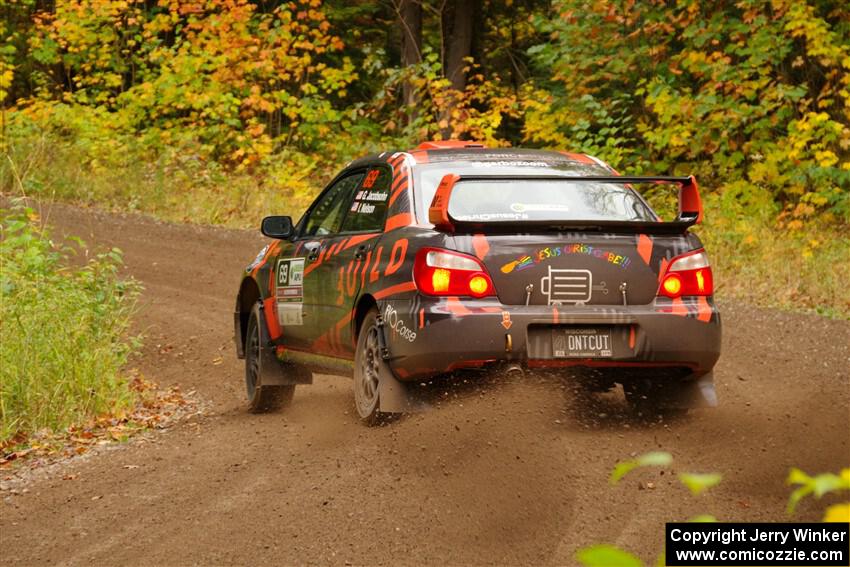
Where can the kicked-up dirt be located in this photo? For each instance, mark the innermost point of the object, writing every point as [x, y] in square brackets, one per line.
[506, 471]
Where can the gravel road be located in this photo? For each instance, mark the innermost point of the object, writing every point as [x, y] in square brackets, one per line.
[508, 472]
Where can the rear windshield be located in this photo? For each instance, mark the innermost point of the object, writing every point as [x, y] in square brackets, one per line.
[526, 199]
[545, 200]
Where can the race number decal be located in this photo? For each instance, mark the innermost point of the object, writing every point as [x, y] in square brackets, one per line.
[290, 291]
[290, 271]
[370, 178]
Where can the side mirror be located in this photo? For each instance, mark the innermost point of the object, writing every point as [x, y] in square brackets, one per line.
[277, 227]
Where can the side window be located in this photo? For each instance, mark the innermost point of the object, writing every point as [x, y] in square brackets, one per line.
[367, 207]
[327, 215]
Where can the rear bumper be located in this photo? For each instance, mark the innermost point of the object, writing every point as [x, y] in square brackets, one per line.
[430, 336]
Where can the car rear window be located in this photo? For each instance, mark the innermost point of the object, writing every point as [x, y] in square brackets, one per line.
[543, 200]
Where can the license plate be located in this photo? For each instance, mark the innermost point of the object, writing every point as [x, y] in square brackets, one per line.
[582, 342]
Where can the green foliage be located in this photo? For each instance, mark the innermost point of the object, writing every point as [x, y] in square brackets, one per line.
[604, 555]
[63, 331]
[750, 94]
[760, 263]
[77, 154]
[234, 78]
[652, 459]
[698, 483]
[819, 485]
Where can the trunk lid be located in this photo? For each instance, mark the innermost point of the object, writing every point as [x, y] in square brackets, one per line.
[576, 268]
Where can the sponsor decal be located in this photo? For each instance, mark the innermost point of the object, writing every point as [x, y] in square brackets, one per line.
[505, 163]
[567, 287]
[375, 270]
[492, 216]
[545, 254]
[394, 322]
[397, 256]
[291, 314]
[289, 291]
[538, 207]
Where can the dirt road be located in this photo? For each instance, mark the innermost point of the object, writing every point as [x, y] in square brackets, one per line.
[510, 473]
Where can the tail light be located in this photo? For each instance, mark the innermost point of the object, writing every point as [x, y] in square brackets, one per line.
[443, 272]
[688, 274]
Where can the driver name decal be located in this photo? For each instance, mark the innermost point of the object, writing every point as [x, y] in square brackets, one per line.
[364, 201]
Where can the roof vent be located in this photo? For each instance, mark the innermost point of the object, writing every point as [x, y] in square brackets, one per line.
[449, 145]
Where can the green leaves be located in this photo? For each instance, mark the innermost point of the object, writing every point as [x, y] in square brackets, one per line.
[818, 485]
[605, 555]
[56, 379]
[652, 459]
[698, 483]
[721, 95]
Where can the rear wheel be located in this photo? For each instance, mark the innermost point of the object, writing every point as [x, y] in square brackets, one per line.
[369, 369]
[261, 398]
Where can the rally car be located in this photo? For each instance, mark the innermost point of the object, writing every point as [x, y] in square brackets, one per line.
[414, 264]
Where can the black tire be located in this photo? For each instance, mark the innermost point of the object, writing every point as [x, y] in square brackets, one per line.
[261, 398]
[369, 368]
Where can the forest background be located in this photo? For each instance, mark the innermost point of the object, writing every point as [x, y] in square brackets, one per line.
[222, 111]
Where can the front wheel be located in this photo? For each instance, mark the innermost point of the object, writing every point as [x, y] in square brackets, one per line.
[261, 398]
[369, 369]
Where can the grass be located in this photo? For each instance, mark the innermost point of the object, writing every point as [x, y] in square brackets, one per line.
[792, 270]
[85, 162]
[63, 332]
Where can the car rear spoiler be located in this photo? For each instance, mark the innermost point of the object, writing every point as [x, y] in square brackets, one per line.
[690, 206]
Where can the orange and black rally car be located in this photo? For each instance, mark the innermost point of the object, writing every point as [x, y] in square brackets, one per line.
[415, 264]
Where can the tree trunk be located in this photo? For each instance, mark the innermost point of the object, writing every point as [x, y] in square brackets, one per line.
[459, 43]
[410, 16]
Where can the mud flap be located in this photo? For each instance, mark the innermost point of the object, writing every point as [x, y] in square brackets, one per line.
[395, 396]
[697, 393]
[273, 372]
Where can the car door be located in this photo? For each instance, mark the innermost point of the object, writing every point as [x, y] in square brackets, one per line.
[318, 231]
[348, 257]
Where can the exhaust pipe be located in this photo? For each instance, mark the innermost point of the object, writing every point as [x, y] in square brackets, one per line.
[514, 371]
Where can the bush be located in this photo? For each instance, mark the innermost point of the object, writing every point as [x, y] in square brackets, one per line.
[63, 331]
